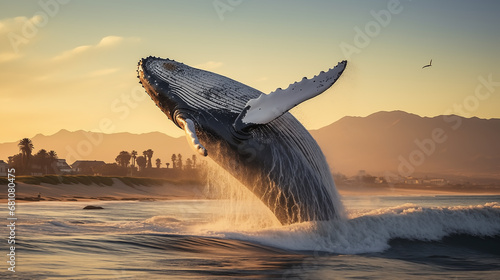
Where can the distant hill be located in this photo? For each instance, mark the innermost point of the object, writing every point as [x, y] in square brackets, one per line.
[387, 141]
[380, 143]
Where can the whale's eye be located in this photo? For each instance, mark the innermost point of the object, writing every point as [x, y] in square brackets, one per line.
[170, 66]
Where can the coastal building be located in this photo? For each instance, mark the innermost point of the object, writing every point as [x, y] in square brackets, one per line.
[435, 182]
[394, 179]
[412, 181]
[86, 166]
[3, 168]
[63, 166]
[380, 180]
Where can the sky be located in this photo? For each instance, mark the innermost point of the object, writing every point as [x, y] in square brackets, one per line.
[72, 64]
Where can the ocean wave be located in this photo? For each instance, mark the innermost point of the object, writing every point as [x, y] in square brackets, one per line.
[362, 232]
[372, 231]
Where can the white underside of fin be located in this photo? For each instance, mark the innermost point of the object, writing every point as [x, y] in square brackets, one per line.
[194, 142]
[268, 107]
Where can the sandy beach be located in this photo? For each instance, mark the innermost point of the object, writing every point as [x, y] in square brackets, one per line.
[187, 191]
[117, 191]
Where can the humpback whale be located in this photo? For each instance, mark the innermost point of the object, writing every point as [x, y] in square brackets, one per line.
[250, 134]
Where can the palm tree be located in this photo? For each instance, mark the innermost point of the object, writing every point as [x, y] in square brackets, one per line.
[193, 159]
[134, 156]
[52, 161]
[174, 160]
[141, 162]
[168, 164]
[16, 161]
[42, 158]
[158, 163]
[179, 161]
[123, 159]
[189, 164]
[26, 147]
[148, 154]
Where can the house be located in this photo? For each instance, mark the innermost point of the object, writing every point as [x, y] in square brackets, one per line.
[86, 166]
[435, 182]
[63, 166]
[3, 168]
[438, 182]
[412, 181]
[58, 167]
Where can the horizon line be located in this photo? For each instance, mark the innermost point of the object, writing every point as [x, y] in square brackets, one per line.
[316, 129]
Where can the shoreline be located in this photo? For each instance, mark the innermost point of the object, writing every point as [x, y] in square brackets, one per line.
[116, 191]
[411, 190]
[97, 188]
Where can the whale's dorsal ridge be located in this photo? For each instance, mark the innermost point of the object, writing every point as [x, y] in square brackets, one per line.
[268, 107]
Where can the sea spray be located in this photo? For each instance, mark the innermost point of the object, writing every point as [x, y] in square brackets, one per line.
[239, 208]
[372, 231]
[236, 213]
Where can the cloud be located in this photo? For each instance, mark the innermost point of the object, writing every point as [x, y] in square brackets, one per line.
[73, 52]
[109, 41]
[105, 42]
[14, 31]
[210, 65]
[5, 57]
[16, 24]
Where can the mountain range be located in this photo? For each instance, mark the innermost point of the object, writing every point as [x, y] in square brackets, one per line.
[407, 144]
[394, 143]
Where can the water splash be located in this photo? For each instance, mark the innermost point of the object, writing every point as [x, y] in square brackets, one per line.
[292, 179]
[239, 208]
[372, 232]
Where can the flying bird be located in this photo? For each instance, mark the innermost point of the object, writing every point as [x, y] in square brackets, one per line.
[428, 65]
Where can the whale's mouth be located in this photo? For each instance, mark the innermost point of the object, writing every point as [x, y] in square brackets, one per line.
[155, 83]
[157, 88]
[145, 77]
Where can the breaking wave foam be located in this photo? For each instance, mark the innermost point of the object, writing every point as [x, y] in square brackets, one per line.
[372, 231]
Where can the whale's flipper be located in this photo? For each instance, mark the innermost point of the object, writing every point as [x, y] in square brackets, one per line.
[189, 129]
[268, 107]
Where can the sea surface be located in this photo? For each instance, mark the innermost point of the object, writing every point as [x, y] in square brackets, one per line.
[382, 237]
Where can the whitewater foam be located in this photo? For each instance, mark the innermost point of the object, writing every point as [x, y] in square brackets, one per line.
[372, 231]
[239, 215]
[364, 231]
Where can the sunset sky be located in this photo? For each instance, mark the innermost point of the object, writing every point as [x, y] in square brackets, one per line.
[73, 65]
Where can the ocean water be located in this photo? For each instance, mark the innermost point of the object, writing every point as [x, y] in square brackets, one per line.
[383, 237]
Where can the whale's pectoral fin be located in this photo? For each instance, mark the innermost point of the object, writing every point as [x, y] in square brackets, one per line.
[268, 107]
[194, 142]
